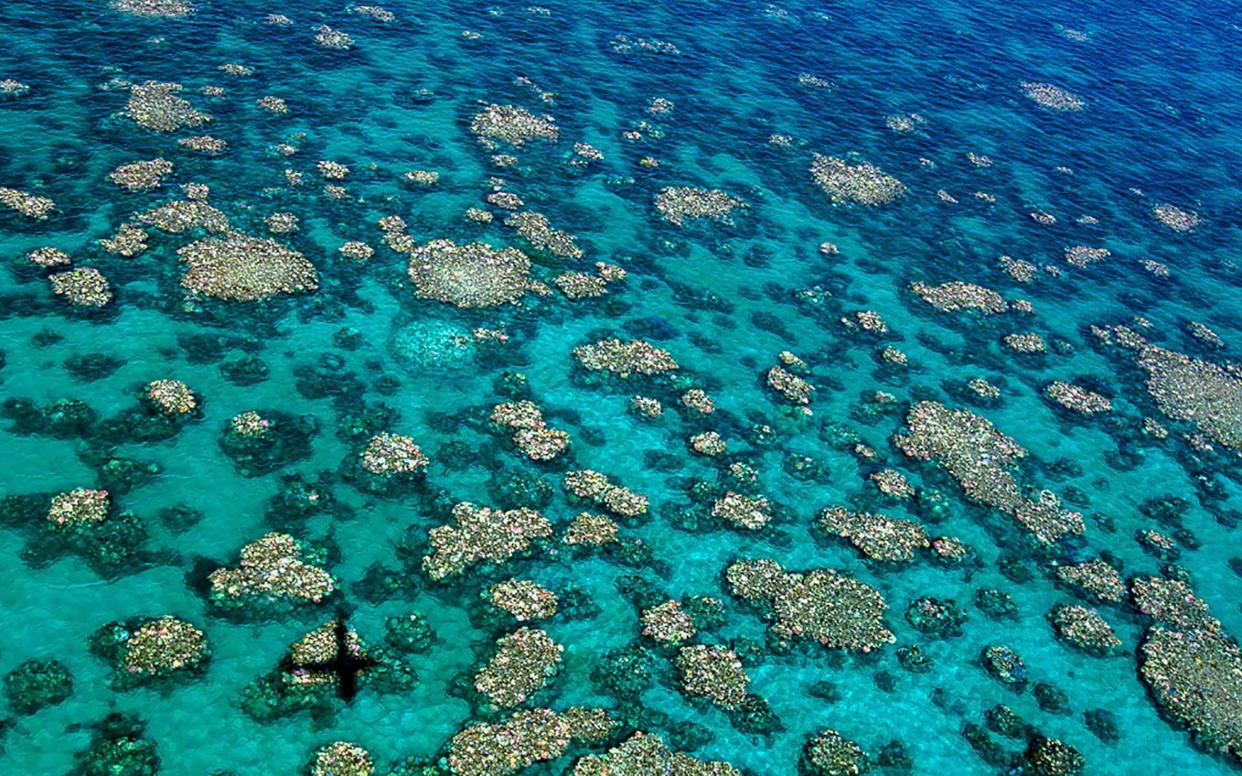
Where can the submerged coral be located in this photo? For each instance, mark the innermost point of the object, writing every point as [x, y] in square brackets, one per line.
[1083, 628]
[141, 176]
[240, 268]
[80, 506]
[831, 608]
[591, 529]
[511, 124]
[36, 684]
[157, 106]
[1186, 388]
[48, 257]
[829, 753]
[594, 487]
[1077, 399]
[1176, 218]
[1053, 97]
[29, 205]
[862, 183]
[668, 623]
[878, 537]
[480, 534]
[152, 648]
[393, 454]
[470, 275]
[644, 753]
[535, 229]
[624, 358]
[526, 738]
[676, 204]
[169, 9]
[967, 445]
[341, 758]
[524, 661]
[524, 599]
[83, 287]
[1197, 676]
[789, 385]
[183, 215]
[1096, 577]
[275, 568]
[955, 296]
[713, 672]
[742, 511]
[170, 397]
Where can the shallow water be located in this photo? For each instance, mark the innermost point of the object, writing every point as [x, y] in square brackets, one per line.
[1160, 88]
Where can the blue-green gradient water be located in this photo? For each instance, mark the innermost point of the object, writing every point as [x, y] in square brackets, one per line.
[1161, 94]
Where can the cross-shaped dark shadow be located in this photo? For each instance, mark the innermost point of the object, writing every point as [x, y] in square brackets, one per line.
[345, 663]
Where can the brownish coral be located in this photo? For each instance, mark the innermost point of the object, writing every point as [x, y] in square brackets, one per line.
[240, 268]
[469, 275]
[877, 536]
[479, 534]
[836, 610]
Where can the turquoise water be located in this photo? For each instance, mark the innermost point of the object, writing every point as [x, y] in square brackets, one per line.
[1160, 89]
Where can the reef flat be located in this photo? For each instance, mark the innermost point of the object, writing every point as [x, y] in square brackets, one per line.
[592, 388]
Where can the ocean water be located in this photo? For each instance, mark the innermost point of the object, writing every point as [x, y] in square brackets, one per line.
[1160, 91]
